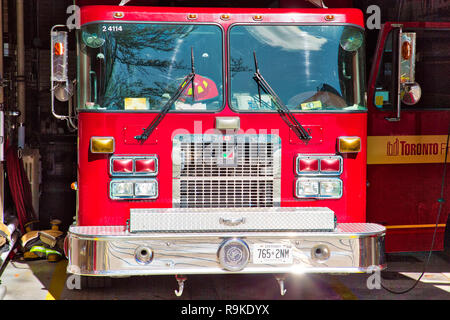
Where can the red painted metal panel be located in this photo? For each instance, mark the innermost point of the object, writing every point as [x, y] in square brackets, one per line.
[96, 208]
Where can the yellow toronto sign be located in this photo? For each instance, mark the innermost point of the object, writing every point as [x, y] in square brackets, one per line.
[406, 149]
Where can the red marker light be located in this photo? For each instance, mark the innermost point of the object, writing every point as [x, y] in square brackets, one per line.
[330, 165]
[123, 165]
[145, 165]
[308, 165]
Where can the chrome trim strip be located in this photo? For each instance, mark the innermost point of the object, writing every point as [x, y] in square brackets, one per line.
[350, 230]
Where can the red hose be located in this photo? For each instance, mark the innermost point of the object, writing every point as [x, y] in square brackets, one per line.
[20, 187]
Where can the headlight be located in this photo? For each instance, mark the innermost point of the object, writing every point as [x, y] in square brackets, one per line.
[133, 189]
[146, 189]
[319, 188]
[121, 189]
[331, 188]
[307, 188]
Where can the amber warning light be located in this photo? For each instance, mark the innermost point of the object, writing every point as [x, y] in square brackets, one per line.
[349, 144]
[59, 49]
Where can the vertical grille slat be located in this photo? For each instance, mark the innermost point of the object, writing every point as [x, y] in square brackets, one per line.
[206, 182]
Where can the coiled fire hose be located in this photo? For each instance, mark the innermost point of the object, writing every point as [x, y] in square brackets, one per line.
[20, 187]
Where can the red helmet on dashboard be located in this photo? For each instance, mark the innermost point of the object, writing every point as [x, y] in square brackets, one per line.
[205, 88]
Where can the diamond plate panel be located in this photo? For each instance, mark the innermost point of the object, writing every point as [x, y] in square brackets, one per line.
[232, 219]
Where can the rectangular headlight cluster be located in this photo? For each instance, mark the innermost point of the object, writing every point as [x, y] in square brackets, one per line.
[133, 189]
[318, 176]
[318, 188]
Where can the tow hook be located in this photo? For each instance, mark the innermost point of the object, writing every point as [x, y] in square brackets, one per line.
[281, 280]
[180, 279]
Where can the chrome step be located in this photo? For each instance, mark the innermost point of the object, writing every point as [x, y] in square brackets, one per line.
[231, 219]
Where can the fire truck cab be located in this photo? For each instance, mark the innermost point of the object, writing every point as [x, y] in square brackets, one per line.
[219, 141]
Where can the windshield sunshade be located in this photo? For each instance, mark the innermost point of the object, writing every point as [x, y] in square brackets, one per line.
[311, 68]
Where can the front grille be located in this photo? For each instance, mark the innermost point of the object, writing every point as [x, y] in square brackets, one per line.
[253, 159]
[226, 193]
[233, 171]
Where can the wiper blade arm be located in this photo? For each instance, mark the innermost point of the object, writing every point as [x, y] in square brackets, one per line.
[282, 109]
[165, 109]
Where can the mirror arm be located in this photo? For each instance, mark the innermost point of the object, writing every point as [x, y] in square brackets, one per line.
[399, 60]
[71, 118]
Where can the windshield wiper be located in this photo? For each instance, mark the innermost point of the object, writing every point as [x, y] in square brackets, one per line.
[282, 109]
[165, 109]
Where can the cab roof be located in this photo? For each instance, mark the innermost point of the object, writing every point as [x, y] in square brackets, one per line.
[223, 16]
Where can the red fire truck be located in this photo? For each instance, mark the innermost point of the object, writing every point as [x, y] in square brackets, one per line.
[219, 141]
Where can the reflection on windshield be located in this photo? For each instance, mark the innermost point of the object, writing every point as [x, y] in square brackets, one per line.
[307, 67]
[287, 37]
[140, 66]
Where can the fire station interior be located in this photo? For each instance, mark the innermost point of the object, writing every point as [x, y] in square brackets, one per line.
[39, 156]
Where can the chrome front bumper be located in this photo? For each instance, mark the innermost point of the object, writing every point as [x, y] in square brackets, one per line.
[114, 251]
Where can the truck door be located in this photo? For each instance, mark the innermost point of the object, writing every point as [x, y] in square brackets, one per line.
[408, 123]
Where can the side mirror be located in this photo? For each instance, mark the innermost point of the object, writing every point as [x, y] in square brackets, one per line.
[61, 87]
[63, 91]
[410, 91]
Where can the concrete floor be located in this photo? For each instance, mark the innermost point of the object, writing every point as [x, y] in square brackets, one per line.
[41, 280]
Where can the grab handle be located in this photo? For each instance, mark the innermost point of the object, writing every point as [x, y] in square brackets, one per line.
[231, 222]
[93, 76]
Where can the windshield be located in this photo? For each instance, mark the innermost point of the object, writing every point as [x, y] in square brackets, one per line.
[134, 67]
[311, 68]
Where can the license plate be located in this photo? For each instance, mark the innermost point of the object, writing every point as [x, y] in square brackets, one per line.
[272, 253]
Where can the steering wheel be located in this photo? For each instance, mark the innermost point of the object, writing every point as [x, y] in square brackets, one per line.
[328, 99]
[326, 94]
